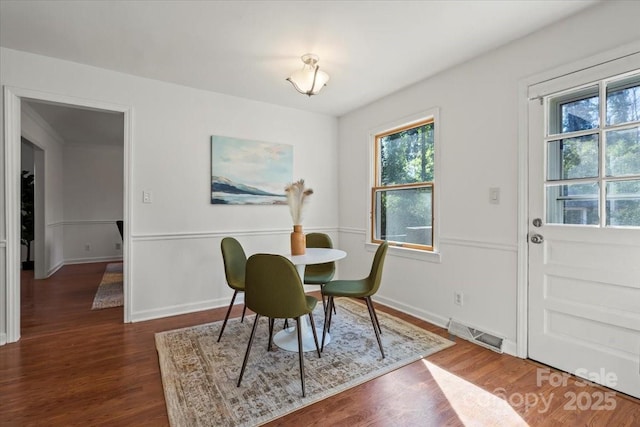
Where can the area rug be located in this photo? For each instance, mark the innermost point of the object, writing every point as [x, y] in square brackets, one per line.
[199, 375]
[110, 293]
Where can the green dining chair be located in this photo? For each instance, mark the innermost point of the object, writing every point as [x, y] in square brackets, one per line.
[235, 262]
[359, 288]
[273, 289]
[319, 274]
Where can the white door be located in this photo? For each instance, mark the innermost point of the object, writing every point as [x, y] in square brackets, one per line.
[584, 227]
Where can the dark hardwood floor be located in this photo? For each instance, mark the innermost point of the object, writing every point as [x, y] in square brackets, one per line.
[75, 366]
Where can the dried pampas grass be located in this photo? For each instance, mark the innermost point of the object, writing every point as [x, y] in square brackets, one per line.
[296, 193]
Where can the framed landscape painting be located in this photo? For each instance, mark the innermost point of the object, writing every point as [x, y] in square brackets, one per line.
[246, 172]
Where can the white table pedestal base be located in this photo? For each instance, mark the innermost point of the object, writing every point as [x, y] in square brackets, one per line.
[287, 339]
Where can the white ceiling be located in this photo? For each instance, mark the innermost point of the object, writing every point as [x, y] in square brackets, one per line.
[248, 48]
[79, 125]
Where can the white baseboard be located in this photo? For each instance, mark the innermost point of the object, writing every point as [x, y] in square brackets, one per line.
[55, 268]
[94, 259]
[61, 264]
[511, 347]
[414, 311]
[176, 310]
[200, 306]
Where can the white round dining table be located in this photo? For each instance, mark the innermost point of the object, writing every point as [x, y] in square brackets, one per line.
[287, 339]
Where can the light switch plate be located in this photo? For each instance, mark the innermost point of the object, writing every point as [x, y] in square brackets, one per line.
[494, 195]
[147, 196]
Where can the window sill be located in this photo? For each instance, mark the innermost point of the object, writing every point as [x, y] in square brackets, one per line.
[408, 253]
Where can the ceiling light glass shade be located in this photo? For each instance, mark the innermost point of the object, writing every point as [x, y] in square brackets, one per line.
[310, 79]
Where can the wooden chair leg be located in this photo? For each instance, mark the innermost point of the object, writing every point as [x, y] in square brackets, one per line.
[246, 355]
[372, 314]
[233, 298]
[300, 354]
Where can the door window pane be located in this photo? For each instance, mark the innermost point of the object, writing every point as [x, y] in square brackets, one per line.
[573, 158]
[623, 101]
[623, 152]
[600, 161]
[575, 112]
[573, 204]
[623, 203]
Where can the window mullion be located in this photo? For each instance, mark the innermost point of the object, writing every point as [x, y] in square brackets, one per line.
[602, 152]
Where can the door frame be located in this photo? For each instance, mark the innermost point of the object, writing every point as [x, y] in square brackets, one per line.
[522, 323]
[38, 251]
[12, 142]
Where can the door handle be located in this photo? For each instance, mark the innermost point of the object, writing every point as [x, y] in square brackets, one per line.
[536, 238]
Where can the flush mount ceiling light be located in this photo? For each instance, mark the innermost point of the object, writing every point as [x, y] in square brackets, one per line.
[309, 80]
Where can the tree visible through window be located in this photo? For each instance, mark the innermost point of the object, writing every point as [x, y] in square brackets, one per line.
[593, 154]
[403, 195]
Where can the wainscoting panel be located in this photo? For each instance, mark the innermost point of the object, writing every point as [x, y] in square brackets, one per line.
[176, 273]
[484, 273]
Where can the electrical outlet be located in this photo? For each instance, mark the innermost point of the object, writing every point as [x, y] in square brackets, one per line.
[458, 298]
[87, 247]
[118, 246]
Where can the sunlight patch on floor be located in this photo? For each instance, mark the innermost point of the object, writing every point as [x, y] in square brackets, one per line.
[473, 405]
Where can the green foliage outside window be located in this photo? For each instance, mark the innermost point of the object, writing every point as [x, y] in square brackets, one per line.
[404, 197]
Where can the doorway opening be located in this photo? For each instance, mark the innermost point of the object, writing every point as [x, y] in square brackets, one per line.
[81, 170]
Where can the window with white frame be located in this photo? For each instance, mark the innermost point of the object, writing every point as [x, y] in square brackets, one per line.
[402, 197]
[593, 154]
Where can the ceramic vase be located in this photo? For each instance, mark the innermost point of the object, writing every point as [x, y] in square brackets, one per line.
[298, 241]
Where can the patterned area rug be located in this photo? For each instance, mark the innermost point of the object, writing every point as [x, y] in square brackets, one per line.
[199, 375]
[110, 293]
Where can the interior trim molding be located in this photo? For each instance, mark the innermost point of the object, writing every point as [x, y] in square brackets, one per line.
[3, 243]
[178, 309]
[427, 316]
[453, 241]
[88, 260]
[352, 230]
[219, 234]
[12, 143]
[55, 268]
[81, 222]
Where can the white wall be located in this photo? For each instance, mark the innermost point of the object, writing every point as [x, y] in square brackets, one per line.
[176, 264]
[44, 138]
[478, 126]
[93, 201]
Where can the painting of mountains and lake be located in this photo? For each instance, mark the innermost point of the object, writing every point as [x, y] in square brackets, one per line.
[246, 172]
